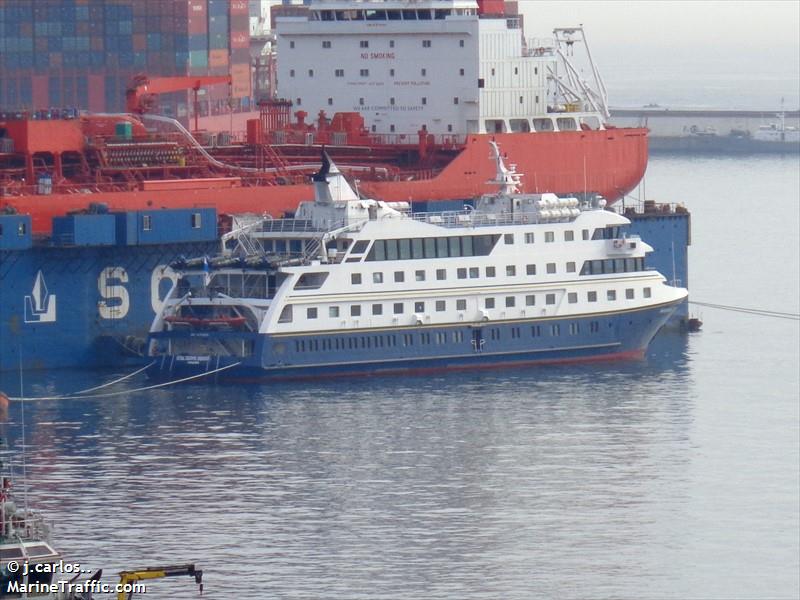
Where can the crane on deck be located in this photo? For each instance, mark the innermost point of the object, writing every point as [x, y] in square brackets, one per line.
[141, 94]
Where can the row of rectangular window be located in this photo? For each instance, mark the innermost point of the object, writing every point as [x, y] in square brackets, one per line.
[612, 265]
[327, 45]
[398, 308]
[461, 273]
[441, 337]
[441, 247]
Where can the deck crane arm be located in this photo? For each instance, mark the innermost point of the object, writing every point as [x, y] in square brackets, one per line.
[128, 577]
[141, 92]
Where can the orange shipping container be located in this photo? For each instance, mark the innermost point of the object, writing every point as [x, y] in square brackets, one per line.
[240, 39]
[239, 7]
[240, 80]
[218, 58]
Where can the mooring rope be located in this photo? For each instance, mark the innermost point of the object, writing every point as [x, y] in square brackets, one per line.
[751, 311]
[123, 378]
[123, 392]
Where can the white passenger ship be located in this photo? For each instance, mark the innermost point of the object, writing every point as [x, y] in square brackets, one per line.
[352, 285]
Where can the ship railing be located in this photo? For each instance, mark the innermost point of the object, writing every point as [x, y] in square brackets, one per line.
[648, 207]
[471, 218]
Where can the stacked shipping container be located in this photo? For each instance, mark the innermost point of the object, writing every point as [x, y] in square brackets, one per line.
[83, 53]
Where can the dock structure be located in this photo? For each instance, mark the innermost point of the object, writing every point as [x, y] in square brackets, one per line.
[711, 130]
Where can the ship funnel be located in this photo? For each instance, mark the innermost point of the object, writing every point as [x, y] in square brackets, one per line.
[507, 179]
[329, 183]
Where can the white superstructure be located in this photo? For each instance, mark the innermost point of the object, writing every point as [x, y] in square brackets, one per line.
[431, 65]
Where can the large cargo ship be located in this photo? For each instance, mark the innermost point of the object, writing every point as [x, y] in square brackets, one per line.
[60, 170]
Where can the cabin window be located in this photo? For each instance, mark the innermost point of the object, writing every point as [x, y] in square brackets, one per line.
[474, 272]
[611, 295]
[461, 43]
[490, 272]
[391, 72]
[196, 221]
[529, 237]
[461, 273]
[629, 294]
[361, 102]
[399, 276]
[311, 72]
[291, 44]
[510, 301]
[488, 303]
[461, 304]
[585, 234]
[364, 43]
[551, 268]
[339, 72]
[511, 270]
[550, 299]
[574, 328]
[377, 309]
[377, 278]
[391, 42]
[391, 250]
[594, 326]
[333, 312]
[530, 300]
[330, 101]
[419, 307]
[569, 235]
[355, 310]
[417, 248]
[360, 247]
[426, 43]
[530, 269]
[555, 330]
[536, 330]
[147, 223]
[311, 281]
[591, 296]
[646, 292]
[311, 313]
[286, 314]
[549, 236]
[572, 297]
[291, 72]
[508, 238]
[441, 305]
[441, 274]
[423, 72]
[455, 100]
[461, 72]
[454, 245]
[397, 308]
[419, 275]
[570, 267]
[391, 101]
[326, 44]
[355, 278]
[364, 72]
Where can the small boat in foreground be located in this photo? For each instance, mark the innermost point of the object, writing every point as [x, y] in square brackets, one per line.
[352, 286]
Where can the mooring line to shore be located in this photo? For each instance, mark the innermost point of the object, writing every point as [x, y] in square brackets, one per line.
[105, 385]
[123, 392]
[751, 311]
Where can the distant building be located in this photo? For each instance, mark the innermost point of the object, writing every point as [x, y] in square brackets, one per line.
[83, 53]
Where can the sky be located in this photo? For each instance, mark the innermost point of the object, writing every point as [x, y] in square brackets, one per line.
[712, 53]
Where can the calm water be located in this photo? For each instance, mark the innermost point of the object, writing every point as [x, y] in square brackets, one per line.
[674, 477]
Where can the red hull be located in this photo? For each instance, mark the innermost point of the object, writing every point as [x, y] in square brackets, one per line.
[610, 162]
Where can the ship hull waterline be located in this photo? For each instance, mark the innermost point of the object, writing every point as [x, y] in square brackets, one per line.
[620, 336]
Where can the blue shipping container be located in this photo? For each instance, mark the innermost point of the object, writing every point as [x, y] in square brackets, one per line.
[84, 230]
[15, 232]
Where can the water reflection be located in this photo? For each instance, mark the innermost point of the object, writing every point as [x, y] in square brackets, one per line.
[459, 485]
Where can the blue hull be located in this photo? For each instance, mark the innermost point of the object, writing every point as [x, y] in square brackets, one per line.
[621, 335]
[98, 322]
